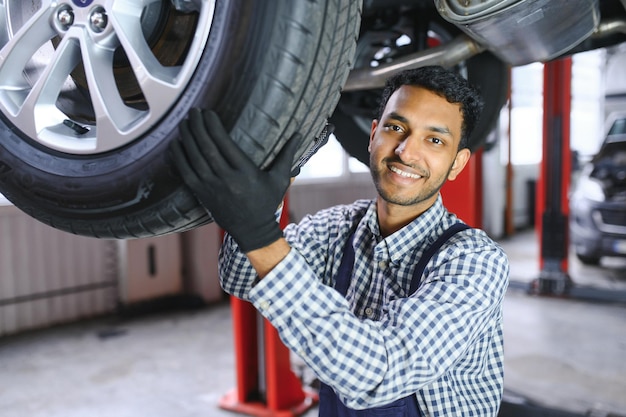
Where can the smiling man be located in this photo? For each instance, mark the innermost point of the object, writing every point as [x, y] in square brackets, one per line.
[414, 148]
[394, 303]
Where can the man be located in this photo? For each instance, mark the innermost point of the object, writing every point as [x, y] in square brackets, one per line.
[337, 286]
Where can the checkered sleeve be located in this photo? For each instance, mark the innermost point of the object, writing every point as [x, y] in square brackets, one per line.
[235, 271]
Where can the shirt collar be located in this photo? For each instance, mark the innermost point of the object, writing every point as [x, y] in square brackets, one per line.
[416, 233]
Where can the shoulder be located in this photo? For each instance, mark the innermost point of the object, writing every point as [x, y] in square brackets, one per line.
[471, 259]
[472, 249]
[331, 222]
[473, 240]
[342, 213]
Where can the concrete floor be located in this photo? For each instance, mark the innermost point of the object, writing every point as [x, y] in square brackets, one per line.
[567, 354]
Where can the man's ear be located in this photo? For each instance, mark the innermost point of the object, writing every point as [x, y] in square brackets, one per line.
[460, 161]
[372, 131]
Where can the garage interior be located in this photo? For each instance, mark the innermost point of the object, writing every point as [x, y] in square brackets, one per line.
[95, 328]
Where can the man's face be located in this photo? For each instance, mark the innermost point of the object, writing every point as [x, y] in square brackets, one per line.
[413, 147]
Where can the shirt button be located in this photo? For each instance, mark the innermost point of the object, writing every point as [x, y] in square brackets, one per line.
[369, 312]
[382, 264]
[264, 305]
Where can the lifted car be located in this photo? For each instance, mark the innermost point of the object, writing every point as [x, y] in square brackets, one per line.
[92, 91]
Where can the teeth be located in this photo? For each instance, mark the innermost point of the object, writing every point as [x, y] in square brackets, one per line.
[404, 174]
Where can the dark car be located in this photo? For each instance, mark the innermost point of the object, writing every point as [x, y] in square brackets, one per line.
[598, 203]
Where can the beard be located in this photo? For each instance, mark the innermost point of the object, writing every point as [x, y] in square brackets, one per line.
[431, 185]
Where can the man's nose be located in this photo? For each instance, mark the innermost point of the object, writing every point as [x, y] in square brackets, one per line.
[409, 149]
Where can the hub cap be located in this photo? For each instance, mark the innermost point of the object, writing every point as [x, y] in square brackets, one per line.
[90, 76]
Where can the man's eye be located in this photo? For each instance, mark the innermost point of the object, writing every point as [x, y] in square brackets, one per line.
[436, 141]
[395, 128]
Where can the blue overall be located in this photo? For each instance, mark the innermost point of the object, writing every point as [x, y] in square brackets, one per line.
[329, 404]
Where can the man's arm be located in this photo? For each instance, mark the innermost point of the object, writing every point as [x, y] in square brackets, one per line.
[318, 238]
[264, 259]
[238, 271]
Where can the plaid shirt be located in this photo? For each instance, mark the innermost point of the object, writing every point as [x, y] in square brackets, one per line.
[378, 344]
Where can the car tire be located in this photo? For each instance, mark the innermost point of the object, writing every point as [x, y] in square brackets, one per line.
[270, 69]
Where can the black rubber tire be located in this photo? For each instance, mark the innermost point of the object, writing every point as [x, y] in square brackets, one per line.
[271, 68]
[355, 110]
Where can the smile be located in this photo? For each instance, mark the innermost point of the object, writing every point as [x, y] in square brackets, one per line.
[404, 174]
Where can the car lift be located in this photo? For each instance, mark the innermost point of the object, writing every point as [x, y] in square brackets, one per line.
[464, 195]
[552, 192]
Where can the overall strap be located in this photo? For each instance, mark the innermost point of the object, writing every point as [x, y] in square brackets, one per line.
[344, 273]
[430, 252]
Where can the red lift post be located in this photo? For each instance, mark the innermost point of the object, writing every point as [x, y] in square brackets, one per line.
[464, 195]
[266, 384]
[554, 179]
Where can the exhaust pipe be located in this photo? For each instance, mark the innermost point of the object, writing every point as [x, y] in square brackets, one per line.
[459, 49]
[610, 27]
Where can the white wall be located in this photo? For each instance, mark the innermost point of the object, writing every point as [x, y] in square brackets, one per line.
[616, 80]
[48, 276]
[310, 197]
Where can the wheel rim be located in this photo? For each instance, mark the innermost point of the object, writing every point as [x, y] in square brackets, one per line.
[86, 77]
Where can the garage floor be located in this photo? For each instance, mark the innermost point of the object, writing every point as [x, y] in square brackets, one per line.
[567, 354]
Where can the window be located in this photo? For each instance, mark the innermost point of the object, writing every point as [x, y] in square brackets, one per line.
[586, 108]
[330, 163]
[618, 127]
[526, 114]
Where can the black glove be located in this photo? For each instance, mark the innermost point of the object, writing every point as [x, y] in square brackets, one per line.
[241, 197]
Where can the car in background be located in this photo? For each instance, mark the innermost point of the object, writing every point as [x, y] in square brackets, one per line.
[598, 202]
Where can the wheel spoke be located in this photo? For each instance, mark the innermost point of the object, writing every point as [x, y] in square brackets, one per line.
[38, 110]
[187, 5]
[113, 116]
[15, 55]
[158, 83]
[4, 26]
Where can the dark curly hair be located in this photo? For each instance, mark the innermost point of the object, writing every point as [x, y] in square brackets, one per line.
[445, 83]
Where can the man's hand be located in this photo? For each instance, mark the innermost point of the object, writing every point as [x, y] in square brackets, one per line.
[241, 197]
